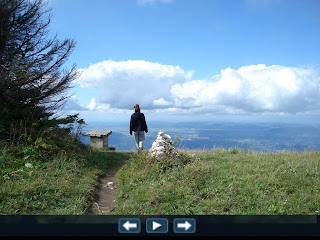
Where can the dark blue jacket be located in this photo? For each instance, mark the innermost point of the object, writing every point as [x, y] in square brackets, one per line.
[138, 122]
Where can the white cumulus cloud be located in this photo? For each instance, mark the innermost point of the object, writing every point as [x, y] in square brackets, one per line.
[73, 104]
[255, 88]
[161, 102]
[92, 105]
[165, 88]
[123, 84]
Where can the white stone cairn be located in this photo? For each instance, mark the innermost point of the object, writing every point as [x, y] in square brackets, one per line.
[162, 145]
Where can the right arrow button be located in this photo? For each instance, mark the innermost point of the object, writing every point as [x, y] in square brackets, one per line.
[184, 225]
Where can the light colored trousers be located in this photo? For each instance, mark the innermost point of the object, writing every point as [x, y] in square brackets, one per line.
[139, 137]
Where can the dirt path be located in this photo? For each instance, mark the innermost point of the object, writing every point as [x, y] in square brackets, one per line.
[105, 200]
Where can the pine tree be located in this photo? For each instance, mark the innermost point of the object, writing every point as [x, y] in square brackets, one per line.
[33, 83]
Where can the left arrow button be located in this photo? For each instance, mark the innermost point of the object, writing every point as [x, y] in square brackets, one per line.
[129, 225]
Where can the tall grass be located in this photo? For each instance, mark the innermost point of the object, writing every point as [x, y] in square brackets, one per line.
[61, 185]
[222, 182]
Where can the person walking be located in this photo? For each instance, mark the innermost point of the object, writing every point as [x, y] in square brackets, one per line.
[138, 126]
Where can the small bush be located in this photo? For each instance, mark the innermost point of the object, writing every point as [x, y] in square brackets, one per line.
[234, 151]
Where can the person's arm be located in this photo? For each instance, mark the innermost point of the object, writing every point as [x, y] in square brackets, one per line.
[131, 126]
[145, 124]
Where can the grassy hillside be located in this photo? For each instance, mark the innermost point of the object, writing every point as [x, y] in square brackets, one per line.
[59, 184]
[198, 182]
[222, 182]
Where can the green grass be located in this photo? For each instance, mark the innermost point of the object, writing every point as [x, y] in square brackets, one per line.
[222, 182]
[65, 184]
[218, 182]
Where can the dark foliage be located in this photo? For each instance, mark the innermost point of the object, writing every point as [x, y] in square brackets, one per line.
[33, 83]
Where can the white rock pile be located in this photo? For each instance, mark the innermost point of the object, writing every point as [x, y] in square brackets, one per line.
[162, 145]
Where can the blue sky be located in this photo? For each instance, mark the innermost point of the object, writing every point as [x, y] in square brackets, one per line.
[192, 59]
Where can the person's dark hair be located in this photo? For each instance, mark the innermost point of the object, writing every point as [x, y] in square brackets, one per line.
[137, 108]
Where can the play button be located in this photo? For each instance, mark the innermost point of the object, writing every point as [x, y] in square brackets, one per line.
[157, 225]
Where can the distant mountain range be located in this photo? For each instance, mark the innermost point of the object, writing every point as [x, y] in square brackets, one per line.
[265, 137]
